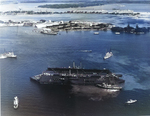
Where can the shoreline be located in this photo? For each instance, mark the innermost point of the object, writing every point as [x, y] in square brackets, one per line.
[77, 11]
[53, 27]
[114, 8]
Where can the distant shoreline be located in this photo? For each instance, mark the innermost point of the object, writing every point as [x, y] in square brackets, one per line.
[105, 2]
[114, 12]
[86, 4]
[73, 5]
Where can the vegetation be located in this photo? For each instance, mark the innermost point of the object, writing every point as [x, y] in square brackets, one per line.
[88, 3]
[69, 5]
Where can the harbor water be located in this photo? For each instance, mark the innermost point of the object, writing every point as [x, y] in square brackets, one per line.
[35, 52]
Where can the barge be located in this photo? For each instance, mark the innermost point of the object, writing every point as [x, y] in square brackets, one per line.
[78, 76]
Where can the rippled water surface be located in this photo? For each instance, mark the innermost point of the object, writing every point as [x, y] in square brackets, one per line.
[35, 52]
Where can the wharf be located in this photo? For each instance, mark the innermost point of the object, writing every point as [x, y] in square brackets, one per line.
[80, 25]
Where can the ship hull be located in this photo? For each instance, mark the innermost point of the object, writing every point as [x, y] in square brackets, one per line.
[65, 76]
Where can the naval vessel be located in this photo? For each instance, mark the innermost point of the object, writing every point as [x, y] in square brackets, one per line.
[79, 76]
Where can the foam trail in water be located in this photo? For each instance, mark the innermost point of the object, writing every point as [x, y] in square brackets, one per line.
[123, 60]
[94, 57]
[144, 67]
[131, 83]
[144, 16]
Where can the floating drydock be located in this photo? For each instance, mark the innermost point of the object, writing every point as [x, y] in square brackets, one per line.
[65, 76]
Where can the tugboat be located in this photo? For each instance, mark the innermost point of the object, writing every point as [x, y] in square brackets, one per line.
[16, 102]
[11, 55]
[108, 55]
[8, 55]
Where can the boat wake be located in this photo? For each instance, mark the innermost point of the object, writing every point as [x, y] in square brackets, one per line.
[131, 83]
[94, 93]
[94, 57]
[145, 16]
[3, 57]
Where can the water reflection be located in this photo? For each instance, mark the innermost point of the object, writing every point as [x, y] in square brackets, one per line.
[87, 91]
[94, 93]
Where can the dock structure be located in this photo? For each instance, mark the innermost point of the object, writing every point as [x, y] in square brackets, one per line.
[80, 25]
[56, 26]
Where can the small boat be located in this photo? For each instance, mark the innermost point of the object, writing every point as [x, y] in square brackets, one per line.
[117, 33]
[86, 50]
[112, 90]
[49, 32]
[11, 55]
[108, 55]
[131, 101]
[16, 102]
[96, 33]
[109, 86]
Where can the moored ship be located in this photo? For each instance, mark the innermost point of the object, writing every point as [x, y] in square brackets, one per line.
[78, 76]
